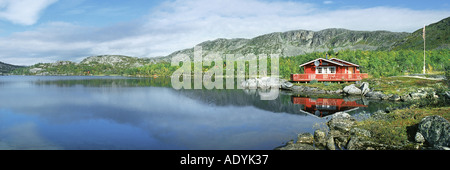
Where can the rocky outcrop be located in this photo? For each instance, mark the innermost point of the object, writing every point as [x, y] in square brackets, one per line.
[361, 89]
[343, 134]
[435, 130]
[421, 93]
[304, 142]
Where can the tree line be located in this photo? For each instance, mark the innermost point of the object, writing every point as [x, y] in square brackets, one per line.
[375, 63]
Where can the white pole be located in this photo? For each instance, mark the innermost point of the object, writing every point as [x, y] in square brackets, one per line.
[424, 40]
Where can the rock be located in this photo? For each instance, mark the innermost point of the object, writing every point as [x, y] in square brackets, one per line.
[330, 143]
[419, 138]
[296, 146]
[355, 144]
[377, 95]
[320, 138]
[286, 85]
[306, 138]
[341, 121]
[252, 84]
[418, 95]
[435, 130]
[395, 98]
[364, 88]
[405, 97]
[352, 90]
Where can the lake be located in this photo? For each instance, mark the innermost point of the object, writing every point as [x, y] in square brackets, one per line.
[119, 113]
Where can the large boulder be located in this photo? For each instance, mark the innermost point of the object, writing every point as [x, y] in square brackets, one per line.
[364, 88]
[341, 121]
[435, 130]
[286, 85]
[340, 125]
[352, 90]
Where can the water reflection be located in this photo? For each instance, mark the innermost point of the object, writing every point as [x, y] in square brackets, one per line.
[322, 107]
[145, 113]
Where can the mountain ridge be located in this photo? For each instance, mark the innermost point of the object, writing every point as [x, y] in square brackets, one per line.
[297, 42]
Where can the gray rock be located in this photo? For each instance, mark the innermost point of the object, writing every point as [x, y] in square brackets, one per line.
[352, 90]
[296, 146]
[252, 84]
[435, 130]
[418, 95]
[286, 85]
[406, 97]
[395, 98]
[341, 121]
[364, 88]
[330, 143]
[377, 95]
[320, 138]
[419, 138]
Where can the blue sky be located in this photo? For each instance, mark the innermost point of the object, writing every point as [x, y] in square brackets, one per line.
[33, 31]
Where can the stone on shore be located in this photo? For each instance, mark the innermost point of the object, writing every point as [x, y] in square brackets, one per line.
[362, 89]
[435, 130]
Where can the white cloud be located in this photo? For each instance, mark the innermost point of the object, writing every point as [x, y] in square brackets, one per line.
[176, 25]
[24, 12]
[327, 2]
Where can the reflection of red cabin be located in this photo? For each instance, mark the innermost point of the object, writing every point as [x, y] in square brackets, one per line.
[322, 107]
[329, 70]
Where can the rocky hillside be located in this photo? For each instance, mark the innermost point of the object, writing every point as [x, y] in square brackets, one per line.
[6, 68]
[95, 65]
[116, 60]
[299, 42]
[437, 37]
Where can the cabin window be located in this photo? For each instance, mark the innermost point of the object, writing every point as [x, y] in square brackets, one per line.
[332, 70]
[326, 70]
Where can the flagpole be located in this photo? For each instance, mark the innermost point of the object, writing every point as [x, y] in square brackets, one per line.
[424, 41]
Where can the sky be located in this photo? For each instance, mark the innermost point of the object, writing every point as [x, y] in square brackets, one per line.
[41, 31]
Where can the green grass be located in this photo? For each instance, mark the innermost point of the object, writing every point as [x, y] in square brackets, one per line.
[400, 126]
[402, 85]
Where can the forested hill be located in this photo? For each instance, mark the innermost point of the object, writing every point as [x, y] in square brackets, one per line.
[5, 68]
[437, 37]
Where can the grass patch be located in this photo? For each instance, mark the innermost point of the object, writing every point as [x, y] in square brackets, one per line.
[402, 85]
[400, 126]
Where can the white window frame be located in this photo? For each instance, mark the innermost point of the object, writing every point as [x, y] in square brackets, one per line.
[326, 69]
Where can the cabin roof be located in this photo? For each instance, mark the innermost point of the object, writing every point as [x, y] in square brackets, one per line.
[345, 62]
[337, 63]
[334, 61]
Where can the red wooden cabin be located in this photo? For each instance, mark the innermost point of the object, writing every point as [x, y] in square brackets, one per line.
[329, 70]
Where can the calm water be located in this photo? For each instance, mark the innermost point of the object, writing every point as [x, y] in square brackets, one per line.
[130, 113]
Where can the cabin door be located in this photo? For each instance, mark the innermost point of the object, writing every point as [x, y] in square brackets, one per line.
[351, 70]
